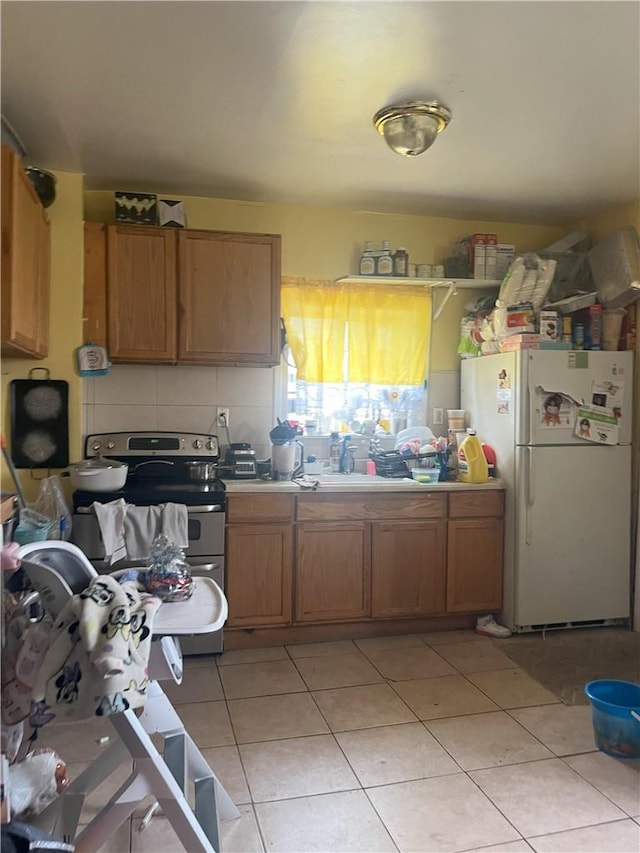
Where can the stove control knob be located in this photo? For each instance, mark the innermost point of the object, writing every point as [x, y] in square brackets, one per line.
[95, 447]
[197, 444]
[111, 445]
[211, 445]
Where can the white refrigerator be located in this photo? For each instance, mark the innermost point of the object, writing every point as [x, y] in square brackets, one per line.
[568, 498]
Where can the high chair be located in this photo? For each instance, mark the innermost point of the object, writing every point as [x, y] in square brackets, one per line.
[58, 570]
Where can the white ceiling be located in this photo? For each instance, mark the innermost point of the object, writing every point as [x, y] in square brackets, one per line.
[273, 101]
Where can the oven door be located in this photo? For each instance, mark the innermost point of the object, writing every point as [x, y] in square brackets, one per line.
[205, 644]
[205, 556]
[206, 535]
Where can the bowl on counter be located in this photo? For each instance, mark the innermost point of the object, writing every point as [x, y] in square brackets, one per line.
[425, 475]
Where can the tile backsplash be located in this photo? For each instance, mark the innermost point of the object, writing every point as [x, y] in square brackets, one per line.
[164, 397]
[185, 398]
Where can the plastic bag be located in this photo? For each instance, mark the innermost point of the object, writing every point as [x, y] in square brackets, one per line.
[168, 576]
[528, 280]
[36, 781]
[51, 504]
[474, 314]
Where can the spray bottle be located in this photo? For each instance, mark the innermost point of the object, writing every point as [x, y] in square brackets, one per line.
[334, 453]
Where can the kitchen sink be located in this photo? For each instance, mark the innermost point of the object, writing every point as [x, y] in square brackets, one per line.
[350, 480]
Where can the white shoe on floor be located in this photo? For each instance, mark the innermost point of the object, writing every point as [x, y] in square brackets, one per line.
[488, 627]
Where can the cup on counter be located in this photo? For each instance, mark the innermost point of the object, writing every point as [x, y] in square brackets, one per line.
[611, 328]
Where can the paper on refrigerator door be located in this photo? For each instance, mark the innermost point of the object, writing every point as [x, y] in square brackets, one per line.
[596, 424]
[555, 409]
[608, 394]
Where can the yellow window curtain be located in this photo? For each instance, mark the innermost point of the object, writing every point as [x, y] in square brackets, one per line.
[387, 325]
[314, 313]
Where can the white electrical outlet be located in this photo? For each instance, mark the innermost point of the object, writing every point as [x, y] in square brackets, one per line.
[438, 416]
[222, 416]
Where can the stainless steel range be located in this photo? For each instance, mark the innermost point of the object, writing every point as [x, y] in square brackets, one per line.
[163, 467]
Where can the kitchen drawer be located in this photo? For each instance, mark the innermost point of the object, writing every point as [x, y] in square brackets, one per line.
[259, 508]
[480, 504]
[353, 507]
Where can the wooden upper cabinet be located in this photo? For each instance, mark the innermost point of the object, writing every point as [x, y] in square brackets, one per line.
[141, 294]
[94, 304]
[229, 294]
[25, 264]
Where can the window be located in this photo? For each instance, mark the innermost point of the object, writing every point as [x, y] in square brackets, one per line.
[357, 354]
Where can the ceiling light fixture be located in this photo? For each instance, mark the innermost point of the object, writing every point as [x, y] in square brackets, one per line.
[409, 129]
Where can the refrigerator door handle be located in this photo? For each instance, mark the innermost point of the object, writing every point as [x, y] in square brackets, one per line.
[531, 406]
[529, 497]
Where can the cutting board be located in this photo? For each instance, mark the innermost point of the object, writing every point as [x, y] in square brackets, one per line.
[39, 422]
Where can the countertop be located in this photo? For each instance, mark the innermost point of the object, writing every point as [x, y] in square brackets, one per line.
[354, 483]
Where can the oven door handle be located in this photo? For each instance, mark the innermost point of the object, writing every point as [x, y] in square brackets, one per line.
[191, 510]
[155, 462]
[204, 567]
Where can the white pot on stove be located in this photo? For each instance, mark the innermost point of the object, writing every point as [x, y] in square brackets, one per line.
[98, 474]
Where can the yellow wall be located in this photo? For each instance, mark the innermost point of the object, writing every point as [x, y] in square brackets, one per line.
[66, 318]
[326, 243]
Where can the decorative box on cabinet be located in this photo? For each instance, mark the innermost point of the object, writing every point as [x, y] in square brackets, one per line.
[25, 264]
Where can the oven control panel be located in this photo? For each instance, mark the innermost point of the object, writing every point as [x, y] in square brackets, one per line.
[130, 444]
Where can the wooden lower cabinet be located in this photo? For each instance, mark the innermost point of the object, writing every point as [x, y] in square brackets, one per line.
[408, 568]
[332, 574]
[474, 564]
[258, 570]
[305, 559]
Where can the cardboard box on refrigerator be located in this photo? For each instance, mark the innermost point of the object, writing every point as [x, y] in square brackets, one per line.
[522, 341]
[505, 253]
[475, 245]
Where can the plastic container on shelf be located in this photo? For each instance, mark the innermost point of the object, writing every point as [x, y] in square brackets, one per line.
[472, 464]
[456, 419]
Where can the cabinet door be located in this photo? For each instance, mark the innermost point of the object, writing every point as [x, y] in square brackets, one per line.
[229, 298]
[94, 302]
[25, 264]
[407, 568]
[332, 571]
[141, 293]
[474, 565]
[258, 569]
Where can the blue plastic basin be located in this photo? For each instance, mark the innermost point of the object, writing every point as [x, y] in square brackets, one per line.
[615, 730]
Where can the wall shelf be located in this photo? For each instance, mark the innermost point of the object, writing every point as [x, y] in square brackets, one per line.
[452, 285]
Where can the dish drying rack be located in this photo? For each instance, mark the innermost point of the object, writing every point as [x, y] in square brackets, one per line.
[391, 463]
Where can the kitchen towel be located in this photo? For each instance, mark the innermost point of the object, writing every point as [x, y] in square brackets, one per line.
[143, 523]
[175, 524]
[141, 526]
[111, 518]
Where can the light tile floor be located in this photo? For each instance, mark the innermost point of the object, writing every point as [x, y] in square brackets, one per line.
[430, 743]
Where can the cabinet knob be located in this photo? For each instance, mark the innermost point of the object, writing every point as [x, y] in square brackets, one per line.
[197, 444]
